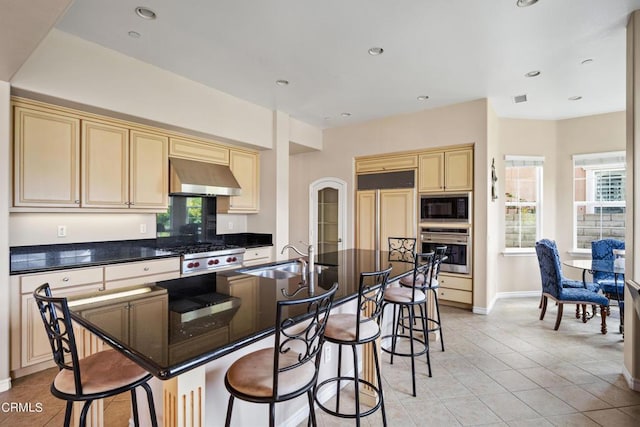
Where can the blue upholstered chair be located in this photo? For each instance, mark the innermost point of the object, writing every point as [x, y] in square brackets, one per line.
[603, 250]
[553, 286]
[570, 283]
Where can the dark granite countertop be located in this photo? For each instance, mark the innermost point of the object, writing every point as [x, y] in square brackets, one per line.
[42, 258]
[249, 316]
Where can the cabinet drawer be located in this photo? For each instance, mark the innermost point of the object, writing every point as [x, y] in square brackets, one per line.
[141, 268]
[455, 295]
[61, 279]
[455, 282]
[255, 256]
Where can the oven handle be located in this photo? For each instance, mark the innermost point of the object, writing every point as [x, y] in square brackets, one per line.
[445, 239]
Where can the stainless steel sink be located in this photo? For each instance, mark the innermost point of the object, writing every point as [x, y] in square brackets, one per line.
[281, 271]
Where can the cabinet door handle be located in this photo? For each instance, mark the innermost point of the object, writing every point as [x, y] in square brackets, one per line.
[146, 269]
[65, 279]
[77, 202]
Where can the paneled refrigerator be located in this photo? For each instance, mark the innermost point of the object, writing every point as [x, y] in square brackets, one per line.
[385, 207]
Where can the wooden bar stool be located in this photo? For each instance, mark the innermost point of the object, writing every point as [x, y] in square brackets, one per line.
[360, 328]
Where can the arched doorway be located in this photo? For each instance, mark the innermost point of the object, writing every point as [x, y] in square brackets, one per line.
[327, 214]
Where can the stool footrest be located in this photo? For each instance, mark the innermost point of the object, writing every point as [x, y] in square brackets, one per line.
[342, 414]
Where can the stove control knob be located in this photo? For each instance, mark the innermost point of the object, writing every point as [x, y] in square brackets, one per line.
[196, 264]
[216, 261]
[234, 259]
[190, 265]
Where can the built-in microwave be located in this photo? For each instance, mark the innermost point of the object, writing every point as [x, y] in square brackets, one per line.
[445, 207]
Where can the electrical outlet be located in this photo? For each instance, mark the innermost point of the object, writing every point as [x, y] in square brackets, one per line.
[62, 230]
[327, 353]
[143, 228]
[230, 225]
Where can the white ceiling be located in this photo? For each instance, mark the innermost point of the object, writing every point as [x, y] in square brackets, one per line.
[450, 50]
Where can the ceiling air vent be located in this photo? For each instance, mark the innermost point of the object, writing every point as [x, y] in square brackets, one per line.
[520, 98]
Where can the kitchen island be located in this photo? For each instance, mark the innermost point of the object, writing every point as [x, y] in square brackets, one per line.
[201, 324]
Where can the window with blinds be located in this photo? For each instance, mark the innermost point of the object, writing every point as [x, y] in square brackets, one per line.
[598, 197]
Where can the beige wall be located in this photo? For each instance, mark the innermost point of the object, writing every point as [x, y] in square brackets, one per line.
[557, 141]
[5, 161]
[458, 124]
[525, 138]
[69, 68]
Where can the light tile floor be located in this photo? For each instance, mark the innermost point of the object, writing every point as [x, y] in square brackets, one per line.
[504, 369]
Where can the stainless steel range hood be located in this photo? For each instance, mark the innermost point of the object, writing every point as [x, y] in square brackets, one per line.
[189, 177]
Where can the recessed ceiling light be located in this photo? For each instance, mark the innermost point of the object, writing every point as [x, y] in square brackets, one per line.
[145, 13]
[525, 3]
[587, 61]
[375, 51]
[134, 34]
[534, 73]
[282, 82]
[423, 97]
[346, 114]
[575, 98]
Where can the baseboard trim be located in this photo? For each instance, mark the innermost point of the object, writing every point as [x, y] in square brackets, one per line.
[5, 384]
[633, 383]
[504, 295]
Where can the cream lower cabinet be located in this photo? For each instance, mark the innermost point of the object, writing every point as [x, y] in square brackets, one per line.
[30, 348]
[381, 214]
[141, 272]
[246, 168]
[46, 158]
[123, 168]
[255, 256]
[455, 289]
[446, 171]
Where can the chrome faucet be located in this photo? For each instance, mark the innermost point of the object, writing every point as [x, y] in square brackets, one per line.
[310, 257]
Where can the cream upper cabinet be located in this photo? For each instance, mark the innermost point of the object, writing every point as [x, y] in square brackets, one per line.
[197, 150]
[149, 170]
[123, 168]
[386, 163]
[446, 171]
[46, 158]
[105, 165]
[246, 168]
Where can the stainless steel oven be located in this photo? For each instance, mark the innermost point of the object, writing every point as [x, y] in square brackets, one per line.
[458, 243]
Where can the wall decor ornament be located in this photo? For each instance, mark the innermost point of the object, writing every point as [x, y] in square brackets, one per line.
[494, 179]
